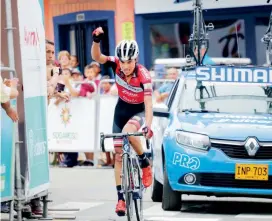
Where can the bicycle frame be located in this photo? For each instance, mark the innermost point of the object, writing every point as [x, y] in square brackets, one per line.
[126, 146]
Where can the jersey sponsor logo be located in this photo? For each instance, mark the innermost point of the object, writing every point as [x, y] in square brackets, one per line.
[259, 75]
[131, 94]
[124, 84]
[130, 100]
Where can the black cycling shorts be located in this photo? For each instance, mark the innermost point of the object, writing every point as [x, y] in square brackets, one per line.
[127, 113]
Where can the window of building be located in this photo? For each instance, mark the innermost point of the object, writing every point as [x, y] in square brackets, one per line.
[172, 40]
[227, 39]
[169, 40]
[261, 25]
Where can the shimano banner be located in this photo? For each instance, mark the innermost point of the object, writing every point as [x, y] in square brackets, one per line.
[259, 75]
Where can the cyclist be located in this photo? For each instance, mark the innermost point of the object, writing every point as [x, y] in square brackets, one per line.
[134, 105]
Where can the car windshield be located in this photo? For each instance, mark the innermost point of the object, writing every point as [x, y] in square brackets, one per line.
[226, 97]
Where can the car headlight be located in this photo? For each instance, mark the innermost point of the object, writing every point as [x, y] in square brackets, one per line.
[198, 141]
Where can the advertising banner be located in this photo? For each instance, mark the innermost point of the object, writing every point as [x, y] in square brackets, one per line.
[71, 126]
[7, 157]
[33, 56]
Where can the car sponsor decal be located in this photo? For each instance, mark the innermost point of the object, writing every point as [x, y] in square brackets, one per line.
[184, 160]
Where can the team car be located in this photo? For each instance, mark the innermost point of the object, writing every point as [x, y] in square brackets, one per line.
[213, 136]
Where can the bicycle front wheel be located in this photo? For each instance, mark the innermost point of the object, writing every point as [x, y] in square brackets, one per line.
[126, 182]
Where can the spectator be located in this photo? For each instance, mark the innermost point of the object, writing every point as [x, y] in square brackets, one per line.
[52, 80]
[75, 63]
[106, 86]
[76, 75]
[52, 70]
[65, 80]
[87, 90]
[114, 90]
[64, 59]
[66, 86]
[8, 93]
[70, 86]
[163, 92]
[50, 53]
[96, 76]
[11, 87]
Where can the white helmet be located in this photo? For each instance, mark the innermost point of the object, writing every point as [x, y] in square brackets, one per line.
[127, 50]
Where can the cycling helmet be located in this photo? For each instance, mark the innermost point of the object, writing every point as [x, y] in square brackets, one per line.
[127, 50]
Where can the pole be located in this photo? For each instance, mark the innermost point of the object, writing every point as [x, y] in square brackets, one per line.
[9, 29]
[16, 144]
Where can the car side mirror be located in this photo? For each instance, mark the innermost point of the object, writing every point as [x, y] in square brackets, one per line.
[161, 112]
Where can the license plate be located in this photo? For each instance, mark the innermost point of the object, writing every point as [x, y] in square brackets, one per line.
[251, 172]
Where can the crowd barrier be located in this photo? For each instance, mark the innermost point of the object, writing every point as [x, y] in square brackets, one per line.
[75, 126]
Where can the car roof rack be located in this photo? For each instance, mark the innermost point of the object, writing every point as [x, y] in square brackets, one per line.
[185, 62]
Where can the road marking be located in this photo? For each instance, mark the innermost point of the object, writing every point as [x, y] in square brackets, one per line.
[181, 219]
[253, 216]
[157, 210]
[72, 207]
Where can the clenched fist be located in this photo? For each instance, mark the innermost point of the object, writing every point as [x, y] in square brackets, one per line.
[98, 34]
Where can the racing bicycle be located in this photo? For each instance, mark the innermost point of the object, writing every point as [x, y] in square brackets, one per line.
[131, 176]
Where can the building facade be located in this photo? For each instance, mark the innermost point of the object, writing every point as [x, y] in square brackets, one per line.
[69, 23]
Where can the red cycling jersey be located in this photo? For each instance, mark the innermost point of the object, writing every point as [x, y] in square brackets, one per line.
[140, 85]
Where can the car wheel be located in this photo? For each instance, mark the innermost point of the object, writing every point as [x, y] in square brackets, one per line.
[171, 200]
[156, 191]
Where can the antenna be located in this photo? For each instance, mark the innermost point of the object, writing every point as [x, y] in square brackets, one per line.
[198, 38]
[267, 40]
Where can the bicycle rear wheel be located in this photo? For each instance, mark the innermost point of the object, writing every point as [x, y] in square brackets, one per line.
[126, 182]
[138, 201]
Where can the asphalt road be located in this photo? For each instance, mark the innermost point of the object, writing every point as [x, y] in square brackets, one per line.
[89, 195]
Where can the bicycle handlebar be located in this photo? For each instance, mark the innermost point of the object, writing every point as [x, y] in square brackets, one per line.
[120, 135]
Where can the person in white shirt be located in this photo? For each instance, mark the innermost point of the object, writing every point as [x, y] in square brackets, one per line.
[8, 92]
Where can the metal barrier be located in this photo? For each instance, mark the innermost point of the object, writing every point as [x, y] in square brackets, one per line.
[76, 126]
[108, 117]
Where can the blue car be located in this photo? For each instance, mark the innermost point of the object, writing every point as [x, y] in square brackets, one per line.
[214, 135]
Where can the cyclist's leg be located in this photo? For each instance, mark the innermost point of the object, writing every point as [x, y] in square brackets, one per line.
[133, 125]
[121, 206]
